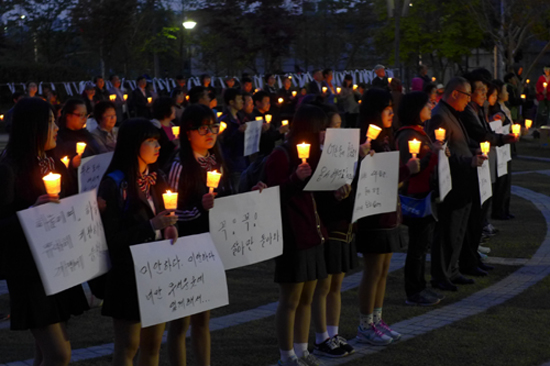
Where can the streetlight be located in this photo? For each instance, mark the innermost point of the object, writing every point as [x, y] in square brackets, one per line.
[188, 25]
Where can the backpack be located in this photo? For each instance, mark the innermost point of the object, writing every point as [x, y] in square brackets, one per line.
[256, 172]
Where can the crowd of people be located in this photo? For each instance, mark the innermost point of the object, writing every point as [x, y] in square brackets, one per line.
[320, 241]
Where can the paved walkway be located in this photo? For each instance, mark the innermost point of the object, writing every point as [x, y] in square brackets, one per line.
[534, 270]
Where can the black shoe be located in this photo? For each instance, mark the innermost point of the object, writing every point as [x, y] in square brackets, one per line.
[500, 217]
[477, 272]
[444, 286]
[422, 299]
[461, 280]
[433, 293]
[343, 343]
[486, 267]
[329, 348]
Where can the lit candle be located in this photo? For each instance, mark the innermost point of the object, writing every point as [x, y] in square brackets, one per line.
[528, 123]
[223, 126]
[53, 184]
[150, 100]
[176, 131]
[485, 147]
[355, 86]
[373, 132]
[1, 117]
[440, 134]
[112, 97]
[268, 118]
[170, 201]
[80, 147]
[523, 96]
[545, 84]
[290, 76]
[303, 151]
[516, 129]
[414, 147]
[527, 81]
[259, 118]
[389, 80]
[285, 122]
[187, 97]
[219, 114]
[280, 100]
[65, 160]
[338, 89]
[212, 180]
[325, 89]
[125, 96]
[256, 90]
[433, 79]
[359, 101]
[294, 92]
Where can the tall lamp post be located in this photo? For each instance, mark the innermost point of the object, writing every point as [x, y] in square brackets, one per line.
[188, 25]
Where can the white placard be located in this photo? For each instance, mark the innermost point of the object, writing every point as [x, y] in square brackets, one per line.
[247, 227]
[377, 185]
[484, 180]
[502, 163]
[91, 171]
[252, 136]
[496, 126]
[175, 281]
[444, 174]
[67, 241]
[338, 160]
[507, 148]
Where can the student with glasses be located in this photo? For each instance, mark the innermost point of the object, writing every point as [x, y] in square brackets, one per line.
[71, 131]
[199, 153]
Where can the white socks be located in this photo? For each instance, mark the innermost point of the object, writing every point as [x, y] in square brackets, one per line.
[321, 337]
[300, 349]
[332, 330]
[365, 321]
[287, 355]
[377, 315]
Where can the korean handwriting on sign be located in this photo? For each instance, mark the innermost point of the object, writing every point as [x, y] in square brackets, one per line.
[201, 257]
[65, 268]
[51, 221]
[161, 266]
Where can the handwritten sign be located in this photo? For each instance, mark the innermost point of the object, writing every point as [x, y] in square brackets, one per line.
[444, 174]
[247, 228]
[377, 185]
[252, 137]
[496, 126]
[67, 241]
[338, 160]
[175, 281]
[507, 149]
[91, 170]
[484, 179]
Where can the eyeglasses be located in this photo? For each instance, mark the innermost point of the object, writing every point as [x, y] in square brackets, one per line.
[461, 92]
[82, 116]
[203, 130]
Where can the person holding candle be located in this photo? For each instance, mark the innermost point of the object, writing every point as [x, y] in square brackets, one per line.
[348, 103]
[543, 96]
[22, 168]
[475, 121]
[32, 89]
[233, 139]
[120, 103]
[101, 93]
[199, 95]
[134, 213]
[139, 99]
[340, 252]
[164, 112]
[454, 211]
[302, 262]
[88, 96]
[272, 131]
[414, 111]
[105, 134]
[199, 154]
[288, 106]
[380, 81]
[378, 236]
[330, 95]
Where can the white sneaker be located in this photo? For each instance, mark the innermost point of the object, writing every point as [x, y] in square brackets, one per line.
[309, 360]
[293, 361]
[373, 336]
[484, 250]
[388, 331]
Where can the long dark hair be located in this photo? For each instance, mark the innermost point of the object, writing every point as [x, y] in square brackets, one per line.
[308, 122]
[68, 108]
[410, 107]
[131, 135]
[29, 134]
[193, 117]
[373, 103]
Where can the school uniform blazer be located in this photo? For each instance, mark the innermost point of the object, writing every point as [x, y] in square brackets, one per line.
[462, 173]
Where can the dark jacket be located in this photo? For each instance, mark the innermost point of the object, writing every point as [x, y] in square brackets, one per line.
[463, 175]
[139, 103]
[233, 144]
[479, 130]
[302, 225]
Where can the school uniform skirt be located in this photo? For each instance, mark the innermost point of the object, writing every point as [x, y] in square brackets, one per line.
[296, 266]
[379, 241]
[340, 256]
